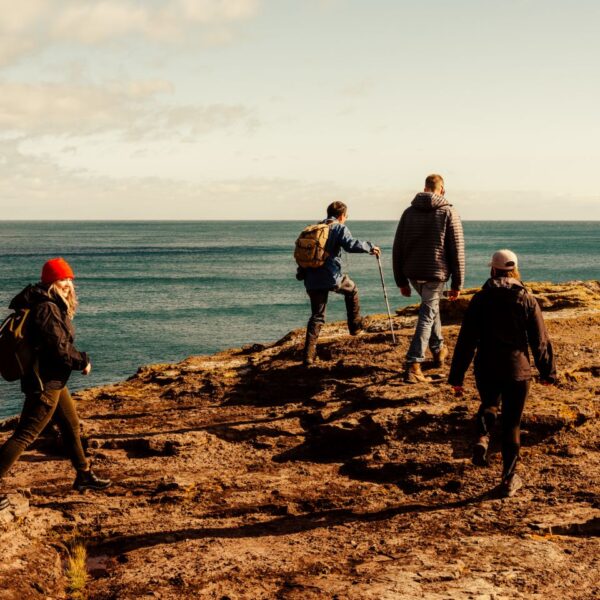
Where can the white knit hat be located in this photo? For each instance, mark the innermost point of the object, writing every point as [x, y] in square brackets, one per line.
[505, 260]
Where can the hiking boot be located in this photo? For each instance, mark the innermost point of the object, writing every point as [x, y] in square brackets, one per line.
[4, 503]
[310, 354]
[480, 452]
[357, 327]
[439, 358]
[88, 480]
[309, 361]
[413, 374]
[510, 485]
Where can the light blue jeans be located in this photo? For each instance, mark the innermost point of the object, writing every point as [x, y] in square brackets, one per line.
[429, 325]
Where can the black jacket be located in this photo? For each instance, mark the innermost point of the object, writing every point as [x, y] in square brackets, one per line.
[429, 243]
[503, 320]
[51, 334]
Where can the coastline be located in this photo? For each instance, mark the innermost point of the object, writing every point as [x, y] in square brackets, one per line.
[241, 475]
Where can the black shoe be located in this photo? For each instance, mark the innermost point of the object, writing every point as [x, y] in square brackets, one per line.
[480, 452]
[87, 480]
[510, 485]
[4, 503]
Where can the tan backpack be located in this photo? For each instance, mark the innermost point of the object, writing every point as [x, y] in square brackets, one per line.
[310, 246]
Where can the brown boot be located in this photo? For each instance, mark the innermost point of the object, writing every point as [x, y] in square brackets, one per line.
[356, 327]
[413, 374]
[439, 358]
[309, 355]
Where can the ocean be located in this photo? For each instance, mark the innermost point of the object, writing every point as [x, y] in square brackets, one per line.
[161, 291]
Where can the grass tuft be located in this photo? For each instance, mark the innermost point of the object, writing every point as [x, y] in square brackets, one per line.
[77, 575]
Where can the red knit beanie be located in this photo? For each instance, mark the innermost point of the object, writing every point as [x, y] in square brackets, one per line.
[55, 269]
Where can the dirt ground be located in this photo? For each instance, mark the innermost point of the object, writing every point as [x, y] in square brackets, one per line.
[244, 475]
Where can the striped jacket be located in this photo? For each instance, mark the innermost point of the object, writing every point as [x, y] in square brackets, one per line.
[429, 243]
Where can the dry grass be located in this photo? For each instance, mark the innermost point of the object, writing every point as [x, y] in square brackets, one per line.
[76, 572]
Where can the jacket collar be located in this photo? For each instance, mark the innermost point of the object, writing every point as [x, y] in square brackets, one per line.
[427, 201]
[503, 282]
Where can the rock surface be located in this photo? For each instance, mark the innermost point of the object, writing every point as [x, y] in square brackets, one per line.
[244, 475]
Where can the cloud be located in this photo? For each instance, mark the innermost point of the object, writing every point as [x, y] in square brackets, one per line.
[30, 26]
[131, 108]
[358, 89]
[34, 187]
[95, 22]
[200, 120]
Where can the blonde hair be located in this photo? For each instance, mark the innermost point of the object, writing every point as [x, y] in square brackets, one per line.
[513, 273]
[434, 182]
[69, 299]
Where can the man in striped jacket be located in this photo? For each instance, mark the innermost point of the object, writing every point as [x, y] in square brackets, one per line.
[428, 251]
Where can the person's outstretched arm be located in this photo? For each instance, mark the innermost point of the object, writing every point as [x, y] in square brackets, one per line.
[349, 244]
[539, 342]
[466, 343]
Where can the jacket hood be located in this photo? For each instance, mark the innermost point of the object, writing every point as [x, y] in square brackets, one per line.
[503, 282]
[30, 296]
[428, 201]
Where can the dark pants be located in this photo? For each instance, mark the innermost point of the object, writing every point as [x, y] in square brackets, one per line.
[37, 411]
[318, 304]
[512, 395]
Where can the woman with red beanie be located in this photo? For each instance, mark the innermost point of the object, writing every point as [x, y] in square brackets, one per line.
[52, 304]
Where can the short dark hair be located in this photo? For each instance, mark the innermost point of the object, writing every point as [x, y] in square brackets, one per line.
[336, 209]
[433, 182]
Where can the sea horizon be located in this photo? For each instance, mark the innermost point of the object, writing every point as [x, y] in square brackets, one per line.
[295, 220]
[160, 291]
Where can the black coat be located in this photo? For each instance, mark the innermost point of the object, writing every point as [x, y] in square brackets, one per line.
[51, 334]
[502, 322]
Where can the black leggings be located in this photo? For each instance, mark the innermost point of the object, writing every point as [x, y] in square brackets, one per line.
[512, 395]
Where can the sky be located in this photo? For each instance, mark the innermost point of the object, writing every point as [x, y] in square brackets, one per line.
[271, 109]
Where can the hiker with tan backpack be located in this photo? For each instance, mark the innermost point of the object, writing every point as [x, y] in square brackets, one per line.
[318, 254]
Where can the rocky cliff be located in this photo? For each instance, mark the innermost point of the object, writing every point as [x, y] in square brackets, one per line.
[243, 475]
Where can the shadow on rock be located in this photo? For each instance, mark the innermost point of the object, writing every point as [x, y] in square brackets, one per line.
[410, 476]
[334, 442]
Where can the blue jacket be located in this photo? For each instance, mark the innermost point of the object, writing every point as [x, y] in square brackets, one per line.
[330, 274]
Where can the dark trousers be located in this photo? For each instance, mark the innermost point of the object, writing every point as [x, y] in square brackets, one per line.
[511, 395]
[318, 304]
[37, 411]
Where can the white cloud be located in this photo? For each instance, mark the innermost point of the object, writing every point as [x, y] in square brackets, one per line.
[209, 11]
[130, 108]
[199, 120]
[30, 26]
[34, 187]
[358, 89]
[95, 22]
[18, 17]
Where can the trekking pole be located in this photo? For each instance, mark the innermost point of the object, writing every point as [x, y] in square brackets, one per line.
[386, 298]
